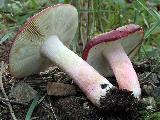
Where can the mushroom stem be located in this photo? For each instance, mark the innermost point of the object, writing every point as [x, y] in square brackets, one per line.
[122, 68]
[86, 77]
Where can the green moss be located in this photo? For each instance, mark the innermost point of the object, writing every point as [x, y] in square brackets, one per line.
[154, 116]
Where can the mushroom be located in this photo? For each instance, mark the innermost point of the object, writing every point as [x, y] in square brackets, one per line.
[110, 49]
[44, 41]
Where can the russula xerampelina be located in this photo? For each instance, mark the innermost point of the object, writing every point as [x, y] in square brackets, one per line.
[108, 52]
[44, 40]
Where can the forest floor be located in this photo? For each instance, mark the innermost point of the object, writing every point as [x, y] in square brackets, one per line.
[28, 97]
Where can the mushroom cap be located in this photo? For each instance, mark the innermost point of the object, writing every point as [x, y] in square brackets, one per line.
[130, 36]
[25, 58]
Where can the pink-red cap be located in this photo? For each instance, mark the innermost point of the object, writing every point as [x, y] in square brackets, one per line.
[129, 36]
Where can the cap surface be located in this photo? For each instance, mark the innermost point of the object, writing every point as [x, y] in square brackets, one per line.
[25, 57]
[130, 36]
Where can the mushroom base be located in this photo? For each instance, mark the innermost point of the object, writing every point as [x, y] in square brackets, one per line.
[118, 100]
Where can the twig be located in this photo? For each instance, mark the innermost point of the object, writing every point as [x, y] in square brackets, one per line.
[50, 105]
[12, 101]
[4, 93]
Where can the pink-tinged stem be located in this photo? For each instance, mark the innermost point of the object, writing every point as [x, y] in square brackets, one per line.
[85, 76]
[122, 68]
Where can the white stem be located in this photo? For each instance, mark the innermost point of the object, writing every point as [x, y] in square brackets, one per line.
[122, 68]
[85, 76]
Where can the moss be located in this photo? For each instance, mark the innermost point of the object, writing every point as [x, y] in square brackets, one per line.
[154, 116]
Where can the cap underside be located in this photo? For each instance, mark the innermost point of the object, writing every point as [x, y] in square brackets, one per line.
[130, 44]
[25, 58]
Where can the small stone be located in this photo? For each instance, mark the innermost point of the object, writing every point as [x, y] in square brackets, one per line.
[61, 89]
[22, 92]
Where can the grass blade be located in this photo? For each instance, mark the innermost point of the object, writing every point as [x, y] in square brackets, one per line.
[35, 102]
[154, 26]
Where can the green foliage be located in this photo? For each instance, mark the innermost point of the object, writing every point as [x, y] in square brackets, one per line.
[155, 15]
[61, 1]
[154, 116]
[147, 114]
